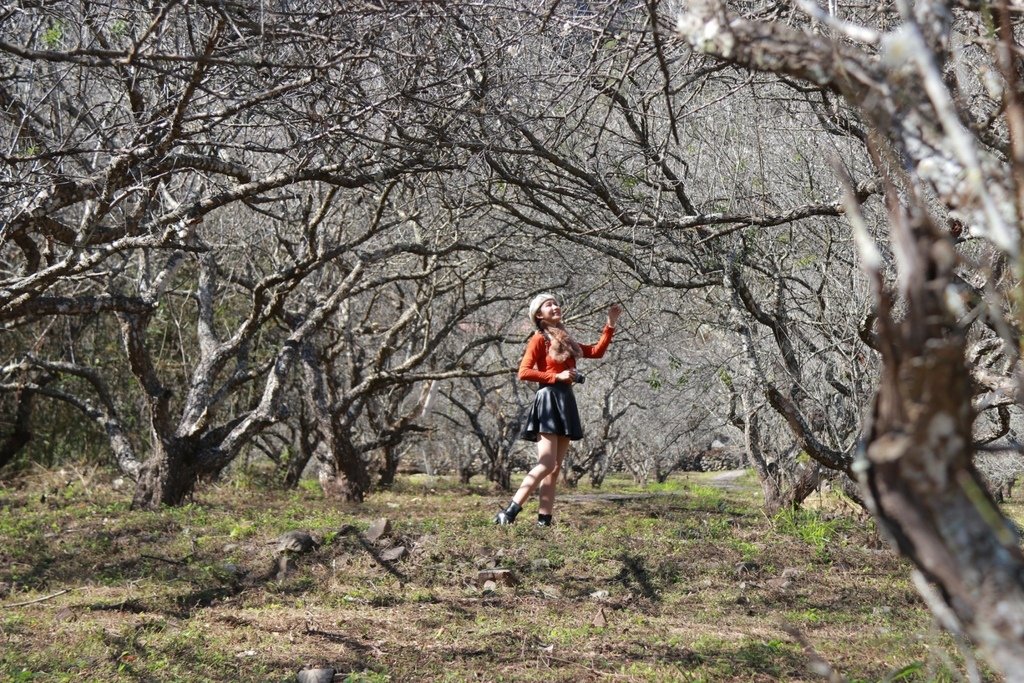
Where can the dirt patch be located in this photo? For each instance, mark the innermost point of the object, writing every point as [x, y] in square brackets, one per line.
[728, 479]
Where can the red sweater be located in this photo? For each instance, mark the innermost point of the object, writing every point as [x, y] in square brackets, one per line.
[538, 366]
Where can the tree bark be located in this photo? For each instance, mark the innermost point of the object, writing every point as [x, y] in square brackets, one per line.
[389, 468]
[21, 434]
[916, 467]
[768, 477]
[345, 476]
[306, 444]
[167, 477]
[918, 477]
[925, 494]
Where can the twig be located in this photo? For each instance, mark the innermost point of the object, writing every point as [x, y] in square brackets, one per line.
[167, 560]
[818, 663]
[606, 674]
[32, 602]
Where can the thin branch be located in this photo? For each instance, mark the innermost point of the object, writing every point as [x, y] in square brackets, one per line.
[37, 600]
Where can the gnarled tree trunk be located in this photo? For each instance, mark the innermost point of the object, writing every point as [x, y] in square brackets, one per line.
[345, 476]
[916, 467]
[167, 476]
[917, 474]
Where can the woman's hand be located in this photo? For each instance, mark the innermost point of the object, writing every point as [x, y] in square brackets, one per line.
[614, 311]
[567, 375]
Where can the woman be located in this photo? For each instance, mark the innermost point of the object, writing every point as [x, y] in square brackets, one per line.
[554, 420]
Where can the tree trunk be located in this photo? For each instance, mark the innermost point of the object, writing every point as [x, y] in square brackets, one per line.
[389, 468]
[20, 436]
[342, 471]
[767, 476]
[167, 477]
[337, 485]
[934, 506]
[307, 443]
[499, 453]
[917, 471]
[576, 467]
[498, 470]
[296, 466]
[599, 471]
[345, 476]
[916, 468]
[502, 476]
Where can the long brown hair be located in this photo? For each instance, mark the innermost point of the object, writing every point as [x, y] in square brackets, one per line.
[562, 344]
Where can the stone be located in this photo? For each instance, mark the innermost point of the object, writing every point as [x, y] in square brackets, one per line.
[549, 592]
[296, 542]
[378, 530]
[489, 587]
[746, 567]
[232, 569]
[315, 676]
[600, 620]
[600, 595]
[393, 554]
[500, 576]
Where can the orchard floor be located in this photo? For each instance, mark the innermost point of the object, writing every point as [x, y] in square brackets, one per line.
[682, 581]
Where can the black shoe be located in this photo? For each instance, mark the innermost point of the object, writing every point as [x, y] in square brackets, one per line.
[504, 519]
[508, 515]
[544, 520]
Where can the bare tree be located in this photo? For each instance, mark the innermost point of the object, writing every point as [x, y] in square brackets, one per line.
[601, 444]
[492, 411]
[619, 173]
[948, 175]
[378, 353]
[817, 380]
[221, 181]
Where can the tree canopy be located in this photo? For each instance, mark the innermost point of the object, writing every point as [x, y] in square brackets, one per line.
[307, 232]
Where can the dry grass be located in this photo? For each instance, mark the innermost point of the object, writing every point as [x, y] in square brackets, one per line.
[686, 582]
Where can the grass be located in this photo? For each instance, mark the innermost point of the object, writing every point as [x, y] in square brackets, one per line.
[684, 581]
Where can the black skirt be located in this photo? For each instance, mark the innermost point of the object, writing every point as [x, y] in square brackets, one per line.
[554, 411]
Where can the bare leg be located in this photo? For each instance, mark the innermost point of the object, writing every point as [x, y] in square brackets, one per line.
[548, 461]
[550, 482]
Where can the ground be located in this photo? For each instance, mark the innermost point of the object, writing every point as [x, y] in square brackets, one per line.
[683, 581]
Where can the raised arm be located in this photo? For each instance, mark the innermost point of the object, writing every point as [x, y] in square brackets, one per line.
[597, 350]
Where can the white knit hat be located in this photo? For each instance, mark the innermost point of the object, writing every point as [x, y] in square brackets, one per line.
[537, 302]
